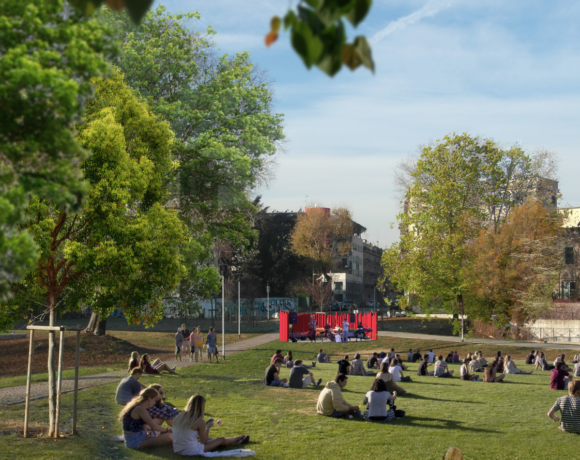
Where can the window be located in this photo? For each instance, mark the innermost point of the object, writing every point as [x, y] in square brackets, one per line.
[569, 255]
[568, 290]
[338, 286]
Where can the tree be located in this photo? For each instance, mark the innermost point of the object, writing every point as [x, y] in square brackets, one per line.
[318, 33]
[514, 270]
[122, 249]
[221, 112]
[48, 55]
[456, 187]
[320, 290]
[319, 236]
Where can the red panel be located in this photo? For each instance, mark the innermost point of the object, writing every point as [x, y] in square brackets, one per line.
[284, 326]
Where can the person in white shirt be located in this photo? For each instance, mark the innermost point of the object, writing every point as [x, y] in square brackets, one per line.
[577, 370]
[432, 356]
[345, 331]
[379, 402]
[397, 371]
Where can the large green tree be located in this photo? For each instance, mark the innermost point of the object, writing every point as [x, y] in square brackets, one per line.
[123, 247]
[457, 186]
[47, 58]
[221, 111]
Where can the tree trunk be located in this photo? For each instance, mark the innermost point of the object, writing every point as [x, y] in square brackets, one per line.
[51, 369]
[92, 327]
[461, 312]
[102, 329]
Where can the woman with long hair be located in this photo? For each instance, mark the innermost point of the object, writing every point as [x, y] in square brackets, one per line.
[155, 368]
[133, 361]
[134, 417]
[510, 367]
[288, 359]
[387, 377]
[380, 403]
[190, 424]
[464, 372]
[490, 374]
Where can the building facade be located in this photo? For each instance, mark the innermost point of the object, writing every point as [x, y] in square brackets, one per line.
[372, 271]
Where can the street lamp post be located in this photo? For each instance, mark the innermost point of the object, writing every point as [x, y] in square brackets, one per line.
[268, 299]
[239, 310]
[223, 319]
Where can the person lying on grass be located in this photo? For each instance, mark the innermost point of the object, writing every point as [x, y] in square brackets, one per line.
[331, 402]
[559, 377]
[422, 369]
[510, 367]
[273, 375]
[464, 372]
[190, 424]
[129, 387]
[490, 374]
[134, 417]
[387, 377]
[155, 367]
[569, 406]
[161, 411]
[380, 403]
[296, 374]
[441, 368]
[357, 367]
[396, 370]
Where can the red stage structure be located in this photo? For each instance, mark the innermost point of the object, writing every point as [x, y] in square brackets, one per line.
[368, 321]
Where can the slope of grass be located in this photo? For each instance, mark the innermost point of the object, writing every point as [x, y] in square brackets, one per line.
[487, 421]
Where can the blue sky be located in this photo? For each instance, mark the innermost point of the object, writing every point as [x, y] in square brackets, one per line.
[506, 70]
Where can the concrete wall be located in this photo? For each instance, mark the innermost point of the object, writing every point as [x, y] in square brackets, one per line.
[555, 330]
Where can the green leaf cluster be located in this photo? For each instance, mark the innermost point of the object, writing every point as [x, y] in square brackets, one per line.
[318, 35]
[47, 59]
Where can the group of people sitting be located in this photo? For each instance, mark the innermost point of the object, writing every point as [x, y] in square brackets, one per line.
[300, 376]
[147, 367]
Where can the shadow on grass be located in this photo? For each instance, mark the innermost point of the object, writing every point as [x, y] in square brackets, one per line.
[443, 424]
[416, 396]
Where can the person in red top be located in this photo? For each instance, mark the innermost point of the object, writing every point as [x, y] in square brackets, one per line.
[559, 377]
[277, 355]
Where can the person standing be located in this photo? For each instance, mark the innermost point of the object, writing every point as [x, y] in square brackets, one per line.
[345, 331]
[198, 344]
[178, 344]
[185, 348]
[211, 342]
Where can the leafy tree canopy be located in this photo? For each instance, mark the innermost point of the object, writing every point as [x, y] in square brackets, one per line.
[48, 55]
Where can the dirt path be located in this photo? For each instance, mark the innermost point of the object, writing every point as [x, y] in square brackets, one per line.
[15, 395]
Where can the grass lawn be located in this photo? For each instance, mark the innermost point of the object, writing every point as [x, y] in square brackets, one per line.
[497, 421]
[110, 354]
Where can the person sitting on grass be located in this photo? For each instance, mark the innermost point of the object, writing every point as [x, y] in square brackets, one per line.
[357, 367]
[129, 387]
[161, 411]
[211, 341]
[372, 361]
[134, 417]
[455, 357]
[562, 358]
[441, 368]
[134, 361]
[190, 425]
[542, 363]
[178, 344]
[331, 402]
[464, 372]
[417, 356]
[156, 367]
[482, 361]
[577, 370]
[510, 367]
[344, 366]
[380, 403]
[422, 369]
[389, 380]
[490, 374]
[382, 357]
[410, 355]
[277, 355]
[273, 375]
[449, 357]
[289, 360]
[396, 370]
[296, 374]
[559, 377]
[531, 357]
[322, 357]
[475, 364]
[569, 407]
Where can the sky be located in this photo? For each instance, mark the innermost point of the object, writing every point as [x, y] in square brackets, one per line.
[503, 70]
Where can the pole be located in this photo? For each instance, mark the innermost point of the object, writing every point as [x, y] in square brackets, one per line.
[77, 356]
[268, 300]
[28, 379]
[223, 319]
[59, 382]
[375, 298]
[239, 312]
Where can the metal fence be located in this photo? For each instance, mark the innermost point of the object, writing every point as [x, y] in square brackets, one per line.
[551, 334]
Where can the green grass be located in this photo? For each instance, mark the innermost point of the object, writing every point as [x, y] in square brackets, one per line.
[498, 421]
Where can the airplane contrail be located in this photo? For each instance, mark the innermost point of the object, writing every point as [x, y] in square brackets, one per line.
[430, 8]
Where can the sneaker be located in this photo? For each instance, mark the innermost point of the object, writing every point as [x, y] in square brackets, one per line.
[173, 368]
[318, 382]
